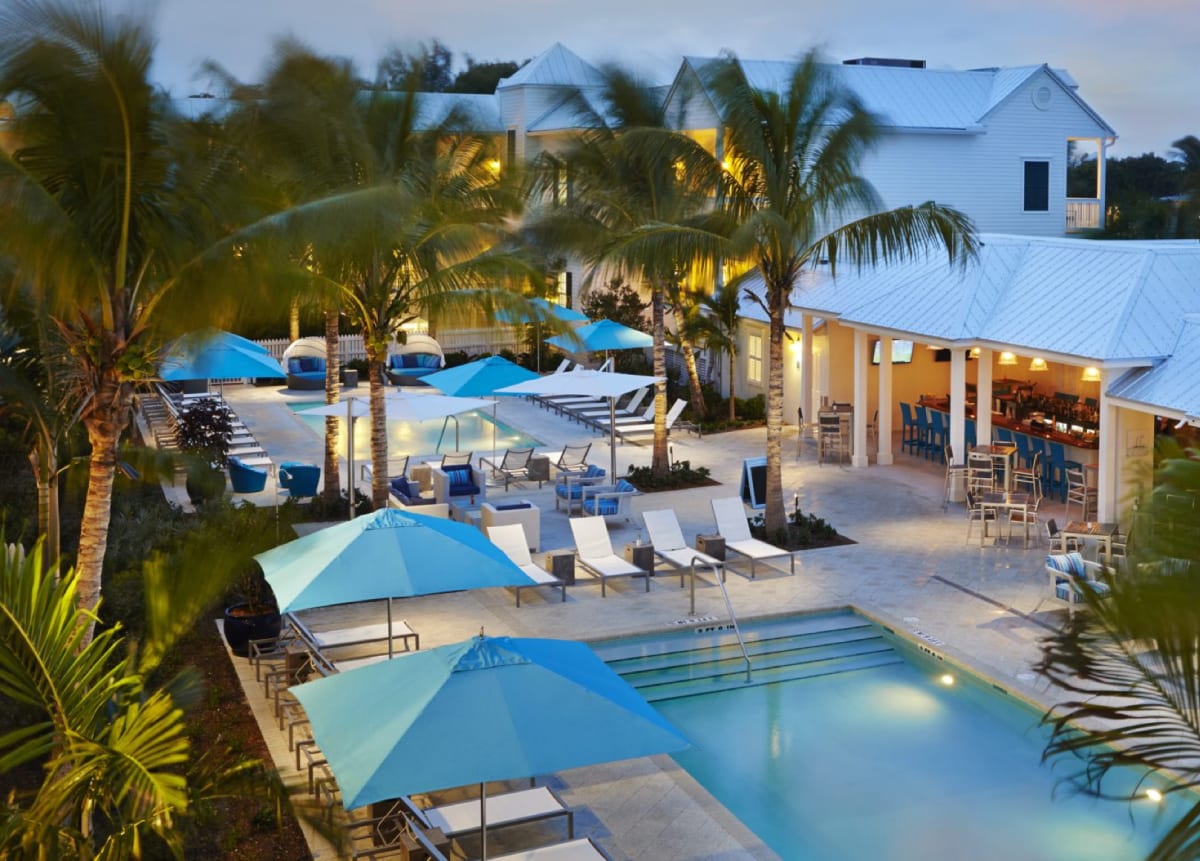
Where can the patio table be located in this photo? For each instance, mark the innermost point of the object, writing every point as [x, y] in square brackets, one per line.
[1102, 533]
[1001, 454]
[1006, 502]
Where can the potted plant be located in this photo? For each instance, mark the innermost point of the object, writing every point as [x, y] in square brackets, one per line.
[204, 433]
[252, 613]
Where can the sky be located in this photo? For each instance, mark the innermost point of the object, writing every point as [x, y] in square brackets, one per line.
[1137, 63]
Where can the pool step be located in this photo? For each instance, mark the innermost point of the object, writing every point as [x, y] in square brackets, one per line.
[681, 666]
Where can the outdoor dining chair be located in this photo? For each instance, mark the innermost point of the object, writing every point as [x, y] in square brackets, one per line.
[573, 458]
[734, 528]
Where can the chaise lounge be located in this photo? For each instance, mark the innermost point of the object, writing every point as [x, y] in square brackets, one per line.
[596, 555]
[732, 526]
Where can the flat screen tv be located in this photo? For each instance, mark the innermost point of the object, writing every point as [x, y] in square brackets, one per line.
[902, 352]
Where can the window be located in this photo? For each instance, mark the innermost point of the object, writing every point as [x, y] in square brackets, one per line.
[754, 359]
[1037, 186]
[563, 294]
[511, 141]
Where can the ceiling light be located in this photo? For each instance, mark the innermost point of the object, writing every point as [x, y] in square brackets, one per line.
[1007, 358]
[976, 352]
[947, 679]
[1154, 795]
[1091, 375]
[1038, 364]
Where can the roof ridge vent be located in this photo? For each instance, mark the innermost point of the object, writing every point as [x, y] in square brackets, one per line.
[892, 62]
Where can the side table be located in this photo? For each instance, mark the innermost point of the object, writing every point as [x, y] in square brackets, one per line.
[539, 469]
[641, 555]
[562, 566]
[713, 545]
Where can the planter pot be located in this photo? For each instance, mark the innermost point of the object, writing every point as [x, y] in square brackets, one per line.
[242, 626]
[205, 483]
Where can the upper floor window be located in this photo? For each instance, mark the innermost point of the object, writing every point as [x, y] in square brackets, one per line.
[754, 359]
[563, 293]
[1037, 186]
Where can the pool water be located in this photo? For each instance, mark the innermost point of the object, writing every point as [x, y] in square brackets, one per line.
[426, 438]
[888, 762]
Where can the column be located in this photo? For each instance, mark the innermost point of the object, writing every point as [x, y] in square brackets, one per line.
[806, 369]
[859, 458]
[983, 399]
[1108, 476]
[958, 404]
[884, 429]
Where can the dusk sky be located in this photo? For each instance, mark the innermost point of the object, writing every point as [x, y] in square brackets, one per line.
[1137, 63]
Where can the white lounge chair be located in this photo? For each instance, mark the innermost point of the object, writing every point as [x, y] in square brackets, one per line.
[732, 526]
[647, 415]
[667, 539]
[511, 539]
[632, 407]
[596, 555]
[582, 849]
[509, 808]
[626, 432]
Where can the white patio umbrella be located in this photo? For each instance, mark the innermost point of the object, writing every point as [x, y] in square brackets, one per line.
[399, 407]
[587, 382]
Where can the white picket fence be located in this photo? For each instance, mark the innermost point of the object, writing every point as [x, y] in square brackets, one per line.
[473, 342]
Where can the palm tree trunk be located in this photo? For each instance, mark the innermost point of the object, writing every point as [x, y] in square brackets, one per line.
[775, 518]
[45, 475]
[379, 451]
[333, 388]
[659, 463]
[104, 424]
[294, 321]
[695, 392]
[732, 399]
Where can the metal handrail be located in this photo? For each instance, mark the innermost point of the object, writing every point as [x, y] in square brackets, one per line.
[728, 606]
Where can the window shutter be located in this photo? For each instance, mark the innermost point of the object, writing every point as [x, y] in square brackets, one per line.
[1037, 186]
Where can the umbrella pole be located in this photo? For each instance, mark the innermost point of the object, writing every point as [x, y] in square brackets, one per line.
[612, 442]
[495, 401]
[483, 821]
[389, 627]
[350, 453]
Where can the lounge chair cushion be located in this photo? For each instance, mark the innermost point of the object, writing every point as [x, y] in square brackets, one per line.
[427, 360]
[461, 481]
[1071, 564]
[608, 505]
[513, 506]
[574, 490]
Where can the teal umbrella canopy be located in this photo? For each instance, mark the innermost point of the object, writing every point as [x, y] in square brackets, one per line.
[481, 377]
[384, 554]
[214, 354]
[602, 336]
[490, 708]
[542, 310]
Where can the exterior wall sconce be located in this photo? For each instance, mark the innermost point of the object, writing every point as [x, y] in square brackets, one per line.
[1007, 358]
[1091, 375]
[976, 352]
[1038, 364]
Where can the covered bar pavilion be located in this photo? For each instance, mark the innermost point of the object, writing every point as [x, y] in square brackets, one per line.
[1094, 332]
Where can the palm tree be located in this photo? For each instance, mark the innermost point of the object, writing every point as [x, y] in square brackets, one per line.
[119, 770]
[640, 207]
[685, 304]
[1129, 663]
[797, 197]
[105, 205]
[717, 329]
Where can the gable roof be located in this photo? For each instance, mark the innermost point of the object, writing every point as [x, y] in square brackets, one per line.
[904, 98]
[480, 113]
[1172, 386]
[1120, 302]
[556, 67]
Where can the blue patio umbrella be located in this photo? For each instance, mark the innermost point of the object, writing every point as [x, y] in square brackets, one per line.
[489, 708]
[385, 554]
[603, 336]
[481, 377]
[541, 311]
[217, 355]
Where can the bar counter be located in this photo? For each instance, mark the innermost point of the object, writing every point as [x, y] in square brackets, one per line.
[1088, 445]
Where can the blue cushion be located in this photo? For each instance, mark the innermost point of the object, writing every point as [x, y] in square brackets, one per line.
[403, 487]
[624, 486]
[395, 361]
[459, 475]
[293, 366]
[513, 506]
[606, 505]
[428, 360]
[408, 361]
[309, 363]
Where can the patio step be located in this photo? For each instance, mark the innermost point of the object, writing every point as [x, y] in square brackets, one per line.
[711, 661]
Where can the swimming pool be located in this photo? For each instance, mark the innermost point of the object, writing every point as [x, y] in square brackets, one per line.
[865, 752]
[425, 438]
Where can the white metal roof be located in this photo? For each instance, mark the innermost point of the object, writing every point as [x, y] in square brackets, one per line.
[556, 66]
[1172, 385]
[905, 98]
[480, 113]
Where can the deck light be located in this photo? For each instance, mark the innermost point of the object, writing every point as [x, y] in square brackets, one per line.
[1091, 375]
[1038, 364]
[1154, 795]
[1007, 358]
[947, 679]
[976, 352]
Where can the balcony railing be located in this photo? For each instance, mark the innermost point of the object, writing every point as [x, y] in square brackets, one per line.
[1083, 213]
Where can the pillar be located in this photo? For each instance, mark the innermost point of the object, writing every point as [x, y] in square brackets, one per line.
[958, 404]
[983, 399]
[883, 430]
[1108, 473]
[860, 458]
[806, 369]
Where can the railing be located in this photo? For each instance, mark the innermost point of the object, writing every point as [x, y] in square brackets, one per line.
[1083, 213]
[728, 606]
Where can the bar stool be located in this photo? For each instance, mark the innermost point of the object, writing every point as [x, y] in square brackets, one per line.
[937, 432]
[1023, 451]
[923, 430]
[909, 433]
[1056, 470]
[969, 433]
